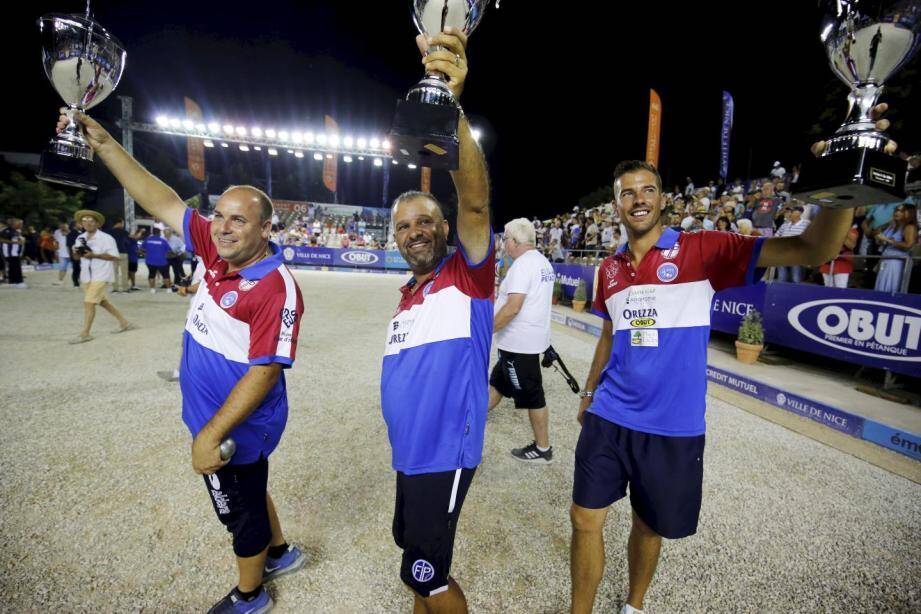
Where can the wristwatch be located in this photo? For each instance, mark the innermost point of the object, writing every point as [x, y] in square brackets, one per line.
[587, 394]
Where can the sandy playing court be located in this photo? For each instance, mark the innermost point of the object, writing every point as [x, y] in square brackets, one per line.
[100, 509]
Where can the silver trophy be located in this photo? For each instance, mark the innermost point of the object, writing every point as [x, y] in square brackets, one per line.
[425, 126]
[867, 41]
[84, 64]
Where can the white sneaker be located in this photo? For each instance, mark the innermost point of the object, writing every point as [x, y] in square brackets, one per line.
[629, 609]
[153, 290]
[20, 285]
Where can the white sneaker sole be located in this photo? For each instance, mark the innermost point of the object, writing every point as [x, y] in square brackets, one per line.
[533, 461]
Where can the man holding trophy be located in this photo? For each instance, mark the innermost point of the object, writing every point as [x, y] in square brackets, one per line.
[434, 389]
[240, 335]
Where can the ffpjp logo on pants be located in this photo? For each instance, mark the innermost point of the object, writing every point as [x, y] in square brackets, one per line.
[423, 571]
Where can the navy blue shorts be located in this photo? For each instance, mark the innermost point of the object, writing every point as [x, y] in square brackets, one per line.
[428, 506]
[665, 474]
[238, 494]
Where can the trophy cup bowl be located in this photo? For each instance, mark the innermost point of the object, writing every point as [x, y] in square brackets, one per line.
[84, 64]
[866, 41]
[425, 125]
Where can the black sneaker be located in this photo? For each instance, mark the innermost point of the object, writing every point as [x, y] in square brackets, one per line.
[530, 454]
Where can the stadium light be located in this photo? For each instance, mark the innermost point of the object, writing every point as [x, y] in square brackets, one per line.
[241, 131]
[200, 128]
[321, 139]
[385, 144]
[282, 135]
[347, 159]
[410, 165]
[214, 128]
[228, 129]
[361, 157]
[256, 132]
[374, 143]
[329, 156]
[273, 151]
[257, 148]
[244, 147]
[209, 143]
[298, 154]
[290, 151]
[361, 142]
[162, 121]
[224, 145]
[309, 137]
[318, 156]
[378, 162]
[297, 137]
[334, 140]
[270, 133]
[394, 162]
[347, 142]
[174, 123]
[188, 124]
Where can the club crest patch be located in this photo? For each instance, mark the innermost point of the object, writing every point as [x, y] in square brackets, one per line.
[667, 272]
[229, 299]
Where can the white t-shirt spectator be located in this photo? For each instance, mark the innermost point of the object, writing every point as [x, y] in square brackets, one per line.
[61, 238]
[556, 234]
[591, 236]
[529, 332]
[97, 269]
[789, 229]
[607, 236]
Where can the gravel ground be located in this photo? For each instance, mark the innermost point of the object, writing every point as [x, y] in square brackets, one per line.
[100, 509]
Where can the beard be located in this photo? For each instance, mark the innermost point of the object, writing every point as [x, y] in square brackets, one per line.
[425, 260]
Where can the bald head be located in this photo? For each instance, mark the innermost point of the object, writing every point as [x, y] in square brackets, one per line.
[248, 193]
[423, 199]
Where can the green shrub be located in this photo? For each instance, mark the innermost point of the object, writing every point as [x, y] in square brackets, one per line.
[579, 294]
[751, 330]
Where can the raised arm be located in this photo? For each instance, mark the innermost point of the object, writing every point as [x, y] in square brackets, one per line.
[471, 179]
[155, 196]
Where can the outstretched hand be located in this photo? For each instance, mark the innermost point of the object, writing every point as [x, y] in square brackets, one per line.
[881, 124]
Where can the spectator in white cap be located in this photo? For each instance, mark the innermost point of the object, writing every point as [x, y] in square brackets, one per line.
[778, 170]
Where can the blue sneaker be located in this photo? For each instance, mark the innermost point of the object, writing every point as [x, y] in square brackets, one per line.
[233, 603]
[292, 560]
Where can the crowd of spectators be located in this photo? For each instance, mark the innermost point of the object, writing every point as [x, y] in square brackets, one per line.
[873, 255]
[339, 231]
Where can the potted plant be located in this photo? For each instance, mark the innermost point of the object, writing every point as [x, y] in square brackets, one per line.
[557, 292]
[578, 297]
[751, 338]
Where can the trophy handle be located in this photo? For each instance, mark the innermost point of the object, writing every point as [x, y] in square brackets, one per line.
[861, 101]
[436, 74]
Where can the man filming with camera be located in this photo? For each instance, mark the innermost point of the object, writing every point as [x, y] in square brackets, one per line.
[522, 328]
[98, 254]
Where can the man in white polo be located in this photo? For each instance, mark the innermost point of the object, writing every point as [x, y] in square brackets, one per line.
[98, 254]
[522, 328]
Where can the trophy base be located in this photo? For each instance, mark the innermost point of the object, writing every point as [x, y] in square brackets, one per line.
[75, 172]
[426, 134]
[852, 178]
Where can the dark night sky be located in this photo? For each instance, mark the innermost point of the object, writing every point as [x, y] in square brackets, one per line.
[561, 88]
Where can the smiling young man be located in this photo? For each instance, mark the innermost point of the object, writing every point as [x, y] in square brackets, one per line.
[434, 387]
[642, 429]
[240, 334]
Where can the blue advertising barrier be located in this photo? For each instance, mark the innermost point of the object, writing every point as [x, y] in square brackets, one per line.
[348, 258]
[857, 326]
[858, 427]
[569, 275]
